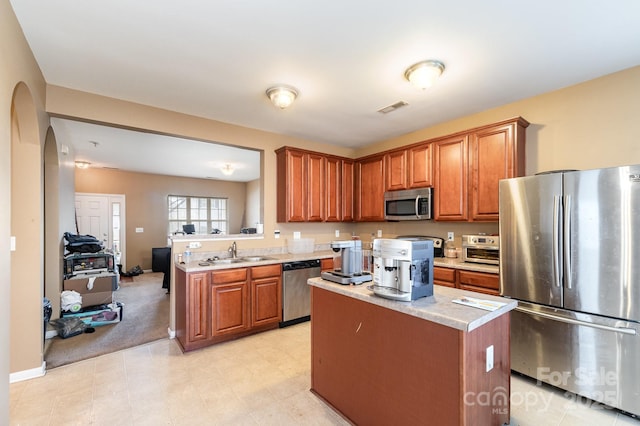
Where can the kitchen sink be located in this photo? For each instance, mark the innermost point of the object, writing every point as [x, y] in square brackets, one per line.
[226, 261]
[256, 258]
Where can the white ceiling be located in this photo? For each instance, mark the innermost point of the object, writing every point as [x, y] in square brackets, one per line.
[215, 59]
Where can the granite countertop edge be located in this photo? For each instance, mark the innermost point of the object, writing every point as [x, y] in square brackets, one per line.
[194, 265]
[438, 309]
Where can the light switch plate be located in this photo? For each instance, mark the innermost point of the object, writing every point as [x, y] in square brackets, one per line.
[296, 235]
[379, 233]
[337, 233]
[489, 358]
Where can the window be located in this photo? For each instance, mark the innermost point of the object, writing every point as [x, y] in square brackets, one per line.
[207, 214]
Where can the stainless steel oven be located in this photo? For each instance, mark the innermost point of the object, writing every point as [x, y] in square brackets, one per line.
[481, 249]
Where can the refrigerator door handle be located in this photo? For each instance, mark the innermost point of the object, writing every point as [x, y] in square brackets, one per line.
[567, 241]
[556, 248]
[623, 330]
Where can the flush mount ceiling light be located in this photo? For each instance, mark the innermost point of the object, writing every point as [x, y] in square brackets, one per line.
[424, 74]
[227, 169]
[282, 96]
[83, 164]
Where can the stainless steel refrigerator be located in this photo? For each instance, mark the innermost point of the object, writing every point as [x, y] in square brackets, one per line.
[570, 255]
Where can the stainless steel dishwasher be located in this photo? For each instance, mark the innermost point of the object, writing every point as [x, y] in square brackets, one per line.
[296, 294]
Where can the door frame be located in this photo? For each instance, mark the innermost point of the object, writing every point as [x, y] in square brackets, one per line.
[111, 200]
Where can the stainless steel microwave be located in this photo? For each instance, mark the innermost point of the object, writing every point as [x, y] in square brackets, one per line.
[412, 204]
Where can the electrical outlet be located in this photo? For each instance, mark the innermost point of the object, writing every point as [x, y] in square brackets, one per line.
[379, 233]
[195, 244]
[276, 234]
[139, 230]
[489, 353]
[337, 233]
[296, 235]
[450, 236]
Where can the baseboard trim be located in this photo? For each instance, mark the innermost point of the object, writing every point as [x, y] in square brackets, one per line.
[172, 333]
[28, 374]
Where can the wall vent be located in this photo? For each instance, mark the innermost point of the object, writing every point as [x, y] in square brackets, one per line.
[392, 107]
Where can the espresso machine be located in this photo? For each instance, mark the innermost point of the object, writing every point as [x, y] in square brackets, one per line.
[402, 269]
[348, 265]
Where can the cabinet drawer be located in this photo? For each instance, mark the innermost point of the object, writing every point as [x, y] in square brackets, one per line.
[229, 276]
[479, 279]
[444, 274]
[266, 271]
[326, 264]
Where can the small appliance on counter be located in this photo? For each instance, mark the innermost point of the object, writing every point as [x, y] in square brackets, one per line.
[438, 243]
[348, 264]
[481, 248]
[402, 269]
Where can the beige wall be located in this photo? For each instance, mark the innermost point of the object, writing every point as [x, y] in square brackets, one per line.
[146, 204]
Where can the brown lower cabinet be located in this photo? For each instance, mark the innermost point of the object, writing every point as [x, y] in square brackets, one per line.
[214, 306]
[481, 282]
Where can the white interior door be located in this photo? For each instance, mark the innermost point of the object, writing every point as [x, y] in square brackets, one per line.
[102, 215]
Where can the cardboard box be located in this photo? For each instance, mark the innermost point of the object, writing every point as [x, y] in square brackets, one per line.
[95, 290]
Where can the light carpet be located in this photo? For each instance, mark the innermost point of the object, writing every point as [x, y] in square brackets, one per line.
[145, 319]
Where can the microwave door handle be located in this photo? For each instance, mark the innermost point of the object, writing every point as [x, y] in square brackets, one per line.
[415, 208]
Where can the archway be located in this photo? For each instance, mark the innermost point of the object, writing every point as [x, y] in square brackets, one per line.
[26, 328]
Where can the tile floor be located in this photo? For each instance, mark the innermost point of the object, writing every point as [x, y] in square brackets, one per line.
[258, 380]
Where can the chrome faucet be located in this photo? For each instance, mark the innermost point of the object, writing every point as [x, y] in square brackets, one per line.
[233, 249]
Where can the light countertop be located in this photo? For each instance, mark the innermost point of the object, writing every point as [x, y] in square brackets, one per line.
[194, 265]
[438, 309]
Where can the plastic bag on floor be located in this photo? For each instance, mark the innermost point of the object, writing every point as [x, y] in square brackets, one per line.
[69, 326]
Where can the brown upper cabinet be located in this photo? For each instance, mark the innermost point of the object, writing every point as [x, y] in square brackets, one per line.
[395, 167]
[370, 185]
[450, 164]
[408, 168]
[464, 169]
[420, 166]
[313, 187]
[468, 167]
[495, 152]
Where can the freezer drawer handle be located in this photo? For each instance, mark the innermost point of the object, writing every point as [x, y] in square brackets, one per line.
[623, 330]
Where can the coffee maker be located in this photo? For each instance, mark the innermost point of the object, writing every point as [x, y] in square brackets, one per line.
[348, 265]
[402, 269]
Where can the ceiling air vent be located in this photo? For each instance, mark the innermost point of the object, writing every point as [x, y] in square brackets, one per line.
[393, 107]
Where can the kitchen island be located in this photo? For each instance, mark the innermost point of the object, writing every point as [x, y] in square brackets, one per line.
[381, 362]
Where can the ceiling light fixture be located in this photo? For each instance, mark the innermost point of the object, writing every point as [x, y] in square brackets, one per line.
[424, 74]
[83, 164]
[227, 169]
[282, 96]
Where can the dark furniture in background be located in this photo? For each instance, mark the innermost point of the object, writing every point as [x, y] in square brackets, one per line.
[161, 262]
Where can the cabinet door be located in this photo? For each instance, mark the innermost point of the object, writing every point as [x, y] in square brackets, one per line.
[494, 154]
[333, 190]
[326, 264]
[419, 165]
[444, 276]
[197, 304]
[450, 193]
[266, 301]
[396, 170]
[315, 171]
[347, 190]
[291, 186]
[480, 282]
[370, 189]
[229, 302]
